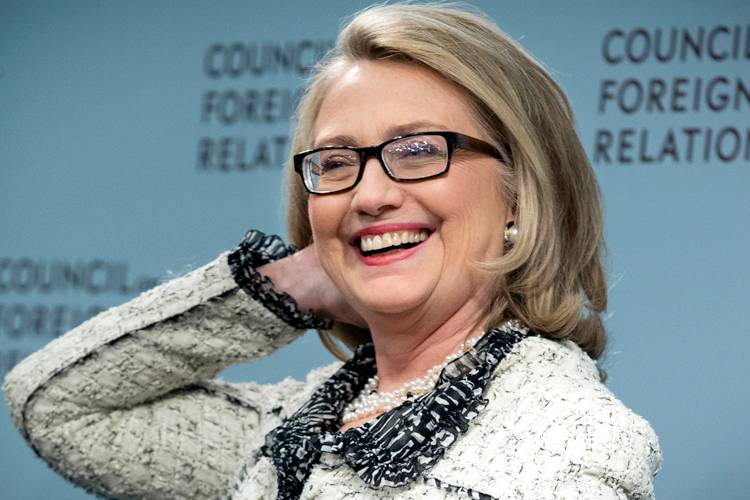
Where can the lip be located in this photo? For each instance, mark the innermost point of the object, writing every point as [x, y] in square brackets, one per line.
[384, 260]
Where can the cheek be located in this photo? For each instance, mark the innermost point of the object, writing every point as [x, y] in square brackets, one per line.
[475, 218]
[326, 217]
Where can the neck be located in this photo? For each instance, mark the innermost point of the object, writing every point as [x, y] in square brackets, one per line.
[407, 348]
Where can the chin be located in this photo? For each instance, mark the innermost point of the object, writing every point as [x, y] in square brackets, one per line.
[391, 296]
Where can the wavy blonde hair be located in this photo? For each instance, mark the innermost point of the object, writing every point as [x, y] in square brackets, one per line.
[552, 278]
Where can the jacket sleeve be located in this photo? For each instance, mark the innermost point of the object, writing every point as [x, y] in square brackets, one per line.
[124, 404]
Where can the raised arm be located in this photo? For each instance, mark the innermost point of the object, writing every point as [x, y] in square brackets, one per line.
[124, 405]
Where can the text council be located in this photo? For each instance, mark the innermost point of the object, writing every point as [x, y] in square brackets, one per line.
[717, 43]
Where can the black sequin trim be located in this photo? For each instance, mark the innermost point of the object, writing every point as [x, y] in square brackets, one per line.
[255, 250]
[398, 446]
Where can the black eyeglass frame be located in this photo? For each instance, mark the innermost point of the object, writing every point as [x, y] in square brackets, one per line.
[454, 140]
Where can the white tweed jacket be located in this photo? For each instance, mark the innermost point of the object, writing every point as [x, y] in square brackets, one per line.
[127, 406]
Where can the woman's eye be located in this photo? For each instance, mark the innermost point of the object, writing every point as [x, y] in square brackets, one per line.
[330, 165]
[421, 149]
[335, 162]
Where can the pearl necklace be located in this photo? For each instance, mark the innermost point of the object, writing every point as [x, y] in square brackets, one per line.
[371, 402]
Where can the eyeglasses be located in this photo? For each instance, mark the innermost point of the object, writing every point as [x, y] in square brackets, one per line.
[411, 157]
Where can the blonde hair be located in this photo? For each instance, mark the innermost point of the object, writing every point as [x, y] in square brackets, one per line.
[551, 278]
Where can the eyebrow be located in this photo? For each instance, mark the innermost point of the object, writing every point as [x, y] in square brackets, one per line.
[418, 126]
[394, 131]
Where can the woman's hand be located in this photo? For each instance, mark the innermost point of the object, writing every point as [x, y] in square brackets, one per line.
[301, 276]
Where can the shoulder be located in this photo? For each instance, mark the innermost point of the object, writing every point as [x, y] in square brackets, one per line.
[550, 425]
[282, 398]
[273, 403]
[276, 402]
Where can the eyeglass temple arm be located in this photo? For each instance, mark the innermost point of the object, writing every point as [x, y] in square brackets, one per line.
[478, 146]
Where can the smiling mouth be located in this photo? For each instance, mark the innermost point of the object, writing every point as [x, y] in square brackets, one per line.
[391, 242]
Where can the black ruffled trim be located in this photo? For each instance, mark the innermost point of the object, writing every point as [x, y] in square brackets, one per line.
[255, 250]
[398, 446]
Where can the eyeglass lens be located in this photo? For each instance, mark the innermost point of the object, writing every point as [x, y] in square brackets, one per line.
[409, 158]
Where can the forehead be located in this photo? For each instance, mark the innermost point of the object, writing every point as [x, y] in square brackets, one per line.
[374, 100]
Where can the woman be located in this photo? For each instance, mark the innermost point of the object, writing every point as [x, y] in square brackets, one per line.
[442, 193]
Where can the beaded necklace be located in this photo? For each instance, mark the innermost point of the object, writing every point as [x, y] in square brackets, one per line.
[371, 402]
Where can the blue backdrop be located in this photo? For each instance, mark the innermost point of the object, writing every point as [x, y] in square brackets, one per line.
[140, 139]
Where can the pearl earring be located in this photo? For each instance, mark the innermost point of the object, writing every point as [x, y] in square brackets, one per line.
[511, 232]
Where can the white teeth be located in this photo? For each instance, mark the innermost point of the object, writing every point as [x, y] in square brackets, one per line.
[387, 240]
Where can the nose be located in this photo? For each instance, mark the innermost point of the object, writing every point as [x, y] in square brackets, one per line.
[376, 193]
